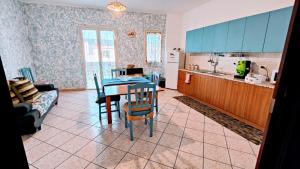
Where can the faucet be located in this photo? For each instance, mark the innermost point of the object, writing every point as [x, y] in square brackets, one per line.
[214, 61]
[268, 77]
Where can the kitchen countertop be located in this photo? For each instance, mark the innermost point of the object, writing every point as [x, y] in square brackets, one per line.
[231, 77]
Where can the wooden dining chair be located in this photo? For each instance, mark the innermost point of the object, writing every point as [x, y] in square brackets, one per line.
[118, 72]
[155, 76]
[141, 108]
[101, 100]
[27, 73]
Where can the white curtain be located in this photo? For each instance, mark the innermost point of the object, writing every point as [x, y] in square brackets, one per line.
[153, 47]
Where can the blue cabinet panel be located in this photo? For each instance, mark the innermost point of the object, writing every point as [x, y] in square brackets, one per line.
[277, 30]
[220, 38]
[189, 41]
[235, 35]
[198, 40]
[255, 31]
[208, 39]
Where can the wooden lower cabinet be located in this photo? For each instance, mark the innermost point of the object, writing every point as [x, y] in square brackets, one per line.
[246, 102]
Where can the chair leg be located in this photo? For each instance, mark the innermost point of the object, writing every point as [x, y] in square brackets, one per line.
[118, 107]
[145, 120]
[131, 130]
[126, 122]
[151, 126]
[100, 112]
[156, 103]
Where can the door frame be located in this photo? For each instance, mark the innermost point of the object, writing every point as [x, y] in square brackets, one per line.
[280, 148]
[98, 28]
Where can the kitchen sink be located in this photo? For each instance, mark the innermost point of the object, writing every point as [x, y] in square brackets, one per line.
[211, 72]
[216, 73]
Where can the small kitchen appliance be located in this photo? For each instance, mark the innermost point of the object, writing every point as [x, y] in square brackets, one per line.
[274, 76]
[242, 69]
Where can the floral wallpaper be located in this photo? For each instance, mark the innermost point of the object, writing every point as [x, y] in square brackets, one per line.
[15, 48]
[54, 32]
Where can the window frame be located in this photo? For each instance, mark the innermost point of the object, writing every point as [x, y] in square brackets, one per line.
[145, 45]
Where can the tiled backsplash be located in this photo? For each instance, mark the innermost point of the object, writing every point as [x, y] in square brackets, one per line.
[226, 63]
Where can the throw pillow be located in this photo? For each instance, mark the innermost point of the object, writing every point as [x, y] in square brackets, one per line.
[25, 90]
[13, 96]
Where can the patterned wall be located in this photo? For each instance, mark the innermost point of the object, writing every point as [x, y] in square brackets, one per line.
[55, 36]
[15, 47]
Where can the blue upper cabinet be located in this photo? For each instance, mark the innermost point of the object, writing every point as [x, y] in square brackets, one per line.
[208, 39]
[277, 30]
[259, 33]
[220, 37]
[236, 30]
[255, 31]
[194, 41]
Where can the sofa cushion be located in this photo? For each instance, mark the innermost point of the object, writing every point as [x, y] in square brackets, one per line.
[43, 103]
[25, 90]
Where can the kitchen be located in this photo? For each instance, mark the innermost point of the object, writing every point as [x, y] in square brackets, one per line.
[231, 66]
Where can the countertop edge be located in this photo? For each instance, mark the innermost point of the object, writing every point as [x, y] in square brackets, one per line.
[230, 77]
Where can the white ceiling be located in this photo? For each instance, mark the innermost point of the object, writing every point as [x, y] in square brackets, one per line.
[151, 6]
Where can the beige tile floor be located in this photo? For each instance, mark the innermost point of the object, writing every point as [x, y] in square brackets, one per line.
[72, 137]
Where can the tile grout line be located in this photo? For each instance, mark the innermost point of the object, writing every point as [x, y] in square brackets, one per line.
[155, 143]
[127, 152]
[159, 141]
[228, 149]
[182, 135]
[114, 140]
[55, 148]
[71, 154]
[123, 150]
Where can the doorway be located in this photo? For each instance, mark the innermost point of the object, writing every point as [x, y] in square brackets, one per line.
[99, 51]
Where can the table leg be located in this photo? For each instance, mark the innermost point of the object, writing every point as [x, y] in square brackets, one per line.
[108, 109]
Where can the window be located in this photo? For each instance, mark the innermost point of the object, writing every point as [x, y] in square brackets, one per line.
[153, 47]
[99, 53]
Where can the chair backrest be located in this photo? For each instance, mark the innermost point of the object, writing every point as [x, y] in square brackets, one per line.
[144, 96]
[97, 85]
[155, 76]
[118, 72]
[131, 71]
[26, 72]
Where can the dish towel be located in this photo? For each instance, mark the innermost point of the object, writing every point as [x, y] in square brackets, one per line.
[187, 78]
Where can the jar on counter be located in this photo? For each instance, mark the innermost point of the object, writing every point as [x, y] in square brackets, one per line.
[193, 66]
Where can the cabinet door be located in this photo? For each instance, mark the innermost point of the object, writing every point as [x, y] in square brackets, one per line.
[277, 30]
[235, 35]
[189, 41]
[198, 38]
[257, 105]
[255, 31]
[180, 83]
[208, 39]
[220, 38]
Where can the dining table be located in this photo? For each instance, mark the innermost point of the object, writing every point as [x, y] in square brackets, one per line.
[118, 87]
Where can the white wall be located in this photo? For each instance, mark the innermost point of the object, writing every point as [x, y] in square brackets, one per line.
[218, 11]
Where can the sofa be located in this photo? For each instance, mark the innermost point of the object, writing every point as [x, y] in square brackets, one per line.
[31, 115]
